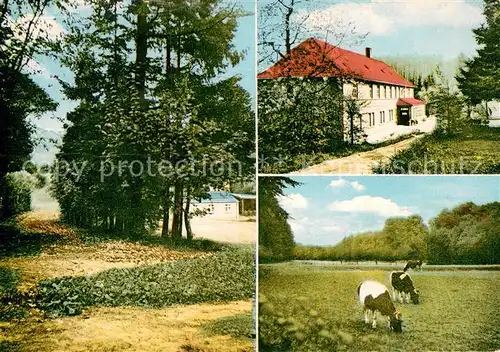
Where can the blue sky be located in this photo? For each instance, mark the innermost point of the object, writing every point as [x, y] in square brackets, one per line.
[325, 209]
[440, 28]
[244, 41]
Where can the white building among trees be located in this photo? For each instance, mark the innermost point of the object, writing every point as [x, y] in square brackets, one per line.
[385, 98]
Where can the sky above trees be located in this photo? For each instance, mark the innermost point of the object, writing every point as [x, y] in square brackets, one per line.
[326, 209]
[439, 28]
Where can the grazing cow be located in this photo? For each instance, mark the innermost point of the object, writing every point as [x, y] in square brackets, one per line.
[413, 264]
[402, 286]
[376, 300]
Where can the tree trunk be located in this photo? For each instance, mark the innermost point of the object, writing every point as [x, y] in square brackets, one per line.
[166, 214]
[288, 44]
[187, 219]
[141, 49]
[177, 219]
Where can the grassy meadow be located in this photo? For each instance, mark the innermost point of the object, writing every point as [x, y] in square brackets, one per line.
[315, 308]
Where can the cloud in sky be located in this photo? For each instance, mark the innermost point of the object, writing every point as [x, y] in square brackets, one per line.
[344, 183]
[368, 204]
[44, 26]
[381, 17]
[293, 201]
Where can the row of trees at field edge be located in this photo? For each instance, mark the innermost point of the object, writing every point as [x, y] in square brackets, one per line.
[466, 234]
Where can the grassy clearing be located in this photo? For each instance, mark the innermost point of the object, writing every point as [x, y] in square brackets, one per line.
[473, 150]
[315, 308]
[130, 329]
[122, 285]
[302, 161]
[238, 326]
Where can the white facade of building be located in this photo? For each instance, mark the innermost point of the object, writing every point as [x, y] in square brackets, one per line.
[380, 100]
[229, 211]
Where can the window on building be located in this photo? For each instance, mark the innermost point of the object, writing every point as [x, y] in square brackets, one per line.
[371, 119]
[385, 92]
[227, 208]
[211, 208]
[371, 91]
[390, 92]
[355, 92]
[378, 92]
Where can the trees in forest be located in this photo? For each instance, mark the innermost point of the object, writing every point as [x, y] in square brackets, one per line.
[466, 234]
[156, 124]
[478, 78]
[298, 117]
[21, 99]
[275, 235]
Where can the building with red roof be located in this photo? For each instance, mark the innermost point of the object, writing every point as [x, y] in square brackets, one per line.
[388, 97]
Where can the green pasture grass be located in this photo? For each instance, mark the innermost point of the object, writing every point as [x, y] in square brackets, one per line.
[459, 311]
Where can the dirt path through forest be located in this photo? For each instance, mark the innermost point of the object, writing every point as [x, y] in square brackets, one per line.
[360, 163]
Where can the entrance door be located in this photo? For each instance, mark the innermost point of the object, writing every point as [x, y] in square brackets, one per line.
[404, 116]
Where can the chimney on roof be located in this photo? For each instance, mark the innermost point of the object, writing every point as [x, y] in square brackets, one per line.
[368, 52]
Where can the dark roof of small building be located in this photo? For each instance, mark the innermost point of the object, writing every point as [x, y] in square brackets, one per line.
[316, 58]
[409, 102]
[218, 197]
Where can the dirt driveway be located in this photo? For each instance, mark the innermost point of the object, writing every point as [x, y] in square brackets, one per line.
[360, 164]
[242, 230]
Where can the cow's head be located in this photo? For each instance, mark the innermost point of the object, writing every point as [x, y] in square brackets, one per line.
[396, 322]
[415, 296]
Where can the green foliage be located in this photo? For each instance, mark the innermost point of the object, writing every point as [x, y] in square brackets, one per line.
[238, 326]
[478, 79]
[227, 276]
[467, 234]
[471, 150]
[8, 279]
[275, 235]
[173, 109]
[21, 99]
[401, 238]
[15, 195]
[299, 117]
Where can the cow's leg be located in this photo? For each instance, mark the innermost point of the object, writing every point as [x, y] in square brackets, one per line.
[374, 317]
[367, 316]
[393, 293]
[389, 323]
[400, 296]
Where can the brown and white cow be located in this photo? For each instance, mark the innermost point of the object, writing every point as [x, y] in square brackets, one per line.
[413, 264]
[402, 287]
[376, 300]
